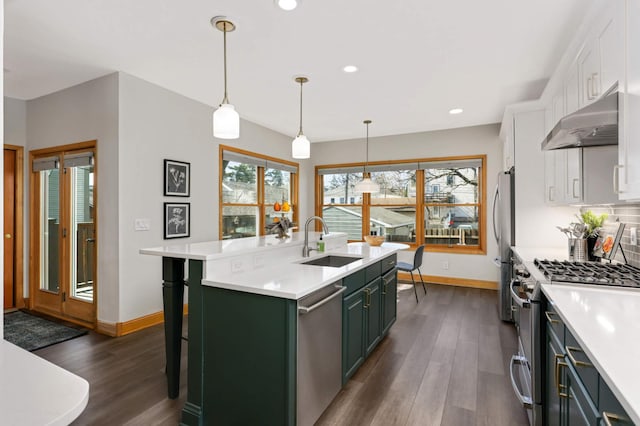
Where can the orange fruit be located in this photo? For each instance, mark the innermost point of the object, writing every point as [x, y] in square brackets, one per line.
[286, 207]
[276, 206]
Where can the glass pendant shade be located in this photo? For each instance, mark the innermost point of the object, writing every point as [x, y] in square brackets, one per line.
[300, 147]
[226, 122]
[367, 185]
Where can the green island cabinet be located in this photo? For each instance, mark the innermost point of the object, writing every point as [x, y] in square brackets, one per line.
[369, 308]
[575, 393]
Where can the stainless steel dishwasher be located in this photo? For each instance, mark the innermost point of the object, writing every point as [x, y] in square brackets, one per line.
[319, 372]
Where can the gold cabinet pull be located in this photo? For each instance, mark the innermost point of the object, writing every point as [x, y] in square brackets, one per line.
[367, 297]
[560, 386]
[608, 417]
[575, 362]
[548, 314]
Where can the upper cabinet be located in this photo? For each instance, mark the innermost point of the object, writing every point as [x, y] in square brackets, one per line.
[600, 63]
[627, 174]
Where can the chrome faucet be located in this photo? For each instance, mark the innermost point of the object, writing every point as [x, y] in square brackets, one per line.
[306, 249]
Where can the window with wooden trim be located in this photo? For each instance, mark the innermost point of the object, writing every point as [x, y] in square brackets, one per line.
[251, 185]
[439, 202]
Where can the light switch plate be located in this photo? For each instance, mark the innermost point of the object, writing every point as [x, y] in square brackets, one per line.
[142, 224]
[633, 234]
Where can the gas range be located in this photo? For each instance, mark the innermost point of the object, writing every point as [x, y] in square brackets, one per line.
[594, 273]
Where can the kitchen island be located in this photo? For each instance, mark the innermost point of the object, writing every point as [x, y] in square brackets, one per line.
[243, 300]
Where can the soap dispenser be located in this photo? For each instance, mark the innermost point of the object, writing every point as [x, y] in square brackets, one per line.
[321, 245]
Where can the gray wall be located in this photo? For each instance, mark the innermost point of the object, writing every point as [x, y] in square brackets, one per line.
[444, 143]
[88, 111]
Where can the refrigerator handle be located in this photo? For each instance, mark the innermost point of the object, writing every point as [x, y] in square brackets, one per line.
[496, 196]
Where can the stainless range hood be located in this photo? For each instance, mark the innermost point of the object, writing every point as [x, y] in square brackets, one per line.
[594, 125]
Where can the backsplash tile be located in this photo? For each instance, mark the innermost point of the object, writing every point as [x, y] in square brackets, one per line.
[628, 214]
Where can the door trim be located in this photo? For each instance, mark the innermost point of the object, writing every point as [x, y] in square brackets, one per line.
[35, 230]
[19, 226]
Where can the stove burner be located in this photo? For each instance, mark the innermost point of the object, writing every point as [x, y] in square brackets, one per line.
[611, 274]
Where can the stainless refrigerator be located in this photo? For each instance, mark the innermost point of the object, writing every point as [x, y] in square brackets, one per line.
[504, 232]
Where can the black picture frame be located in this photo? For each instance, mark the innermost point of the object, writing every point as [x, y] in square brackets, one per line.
[177, 220]
[177, 178]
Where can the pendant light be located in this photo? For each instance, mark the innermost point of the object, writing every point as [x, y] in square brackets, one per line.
[301, 147]
[226, 121]
[366, 184]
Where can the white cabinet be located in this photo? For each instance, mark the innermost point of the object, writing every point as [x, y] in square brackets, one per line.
[571, 90]
[628, 170]
[600, 63]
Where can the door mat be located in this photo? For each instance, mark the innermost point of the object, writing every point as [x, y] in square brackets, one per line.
[31, 332]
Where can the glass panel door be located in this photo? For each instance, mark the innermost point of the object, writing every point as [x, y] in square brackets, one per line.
[83, 232]
[50, 230]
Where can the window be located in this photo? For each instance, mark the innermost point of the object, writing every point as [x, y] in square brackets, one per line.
[437, 202]
[251, 184]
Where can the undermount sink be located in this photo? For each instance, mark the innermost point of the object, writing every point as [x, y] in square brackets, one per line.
[333, 261]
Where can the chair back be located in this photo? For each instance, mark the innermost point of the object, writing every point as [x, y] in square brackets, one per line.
[417, 257]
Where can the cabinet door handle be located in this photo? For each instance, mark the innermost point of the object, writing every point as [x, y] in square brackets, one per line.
[616, 178]
[550, 194]
[548, 314]
[384, 288]
[367, 298]
[608, 417]
[589, 96]
[559, 386]
[573, 190]
[575, 362]
[595, 91]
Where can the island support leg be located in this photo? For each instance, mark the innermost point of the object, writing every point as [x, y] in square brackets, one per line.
[173, 298]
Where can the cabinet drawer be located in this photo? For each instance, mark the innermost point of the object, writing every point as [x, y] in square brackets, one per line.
[372, 272]
[583, 366]
[388, 263]
[354, 282]
[609, 406]
[554, 322]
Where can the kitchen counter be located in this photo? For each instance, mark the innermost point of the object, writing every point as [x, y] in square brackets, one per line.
[34, 391]
[528, 254]
[293, 280]
[606, 323]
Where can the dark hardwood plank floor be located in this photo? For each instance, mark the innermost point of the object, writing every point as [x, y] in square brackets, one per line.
[444, 362]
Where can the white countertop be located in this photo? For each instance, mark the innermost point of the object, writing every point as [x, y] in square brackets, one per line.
[528, 254]
[606, 323]
[210, 250]
[293, 280]
[35, 392]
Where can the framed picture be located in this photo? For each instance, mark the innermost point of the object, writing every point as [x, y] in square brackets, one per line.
[177, 220]
[176, 178]
[608, 241]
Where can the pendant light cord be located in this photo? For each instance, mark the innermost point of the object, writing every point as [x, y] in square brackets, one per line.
[225, 100]
[300, 131]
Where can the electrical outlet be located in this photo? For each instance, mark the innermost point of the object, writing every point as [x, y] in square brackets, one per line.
[445, 264]
[633, 234]
[237, 265]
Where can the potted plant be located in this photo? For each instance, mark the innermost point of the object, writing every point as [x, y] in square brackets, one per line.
[594, 224]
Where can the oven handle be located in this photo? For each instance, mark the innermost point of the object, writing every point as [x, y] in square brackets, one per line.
[523, 303]
[526, 401]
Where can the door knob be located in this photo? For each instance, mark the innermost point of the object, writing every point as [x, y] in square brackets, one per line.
[7, 236]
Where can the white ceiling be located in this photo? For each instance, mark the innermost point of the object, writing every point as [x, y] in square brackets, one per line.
[417, 58]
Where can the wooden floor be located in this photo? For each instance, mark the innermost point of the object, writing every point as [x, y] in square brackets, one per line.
[444, 362]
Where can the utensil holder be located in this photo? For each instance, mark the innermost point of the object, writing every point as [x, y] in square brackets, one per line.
[578, 250]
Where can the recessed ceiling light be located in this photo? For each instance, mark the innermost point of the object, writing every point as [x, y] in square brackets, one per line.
[456, 111]
[287, 4]
[350, 68]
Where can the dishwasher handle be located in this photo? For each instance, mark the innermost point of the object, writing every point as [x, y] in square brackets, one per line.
[306, 309]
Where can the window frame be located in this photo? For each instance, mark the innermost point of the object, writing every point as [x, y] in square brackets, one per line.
[260, 184]
[421, 203]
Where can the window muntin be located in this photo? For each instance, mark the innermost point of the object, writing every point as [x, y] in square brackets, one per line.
[250, 185]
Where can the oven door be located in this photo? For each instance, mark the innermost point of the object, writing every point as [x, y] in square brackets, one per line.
[520, 366]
